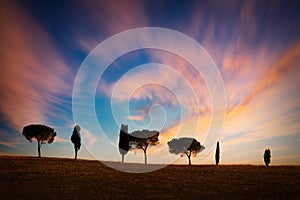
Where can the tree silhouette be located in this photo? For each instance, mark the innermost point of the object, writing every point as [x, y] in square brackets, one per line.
[39, 132]
[142, 140]
[187, 146]
[217, 156]
[267, 157]
[76, 140]
[123, 141]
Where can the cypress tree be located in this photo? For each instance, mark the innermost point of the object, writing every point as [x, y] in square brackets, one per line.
[123, 141]
[217, 156]
[267, 157]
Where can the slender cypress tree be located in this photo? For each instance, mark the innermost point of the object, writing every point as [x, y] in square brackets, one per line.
[76, 140]
[123, 141]
[217, 156]
[267, 157]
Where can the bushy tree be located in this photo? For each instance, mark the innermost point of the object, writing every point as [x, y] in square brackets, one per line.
[123, 141]
[76, 139]
[185, 146]
[43, 134]
[267, 157]
[217, 156]
[142, 140]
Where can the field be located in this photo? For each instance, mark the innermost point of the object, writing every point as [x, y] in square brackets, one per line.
[56, 178]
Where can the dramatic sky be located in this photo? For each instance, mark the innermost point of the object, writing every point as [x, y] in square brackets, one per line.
[255, 46]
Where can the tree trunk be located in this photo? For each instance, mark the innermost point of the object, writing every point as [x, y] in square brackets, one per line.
[145, 155]
[39, 148]
[122, 158]
[76, 154]
[189, 157]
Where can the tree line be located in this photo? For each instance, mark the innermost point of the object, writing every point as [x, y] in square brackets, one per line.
[128, 141]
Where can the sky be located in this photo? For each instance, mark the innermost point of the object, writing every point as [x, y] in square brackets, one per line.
[47, 72]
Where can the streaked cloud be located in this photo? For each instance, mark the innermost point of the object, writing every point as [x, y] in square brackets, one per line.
[14, 143]
[33, 73]
[109, 18]
[60, 139]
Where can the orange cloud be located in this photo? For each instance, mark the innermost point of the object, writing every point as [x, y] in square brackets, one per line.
[136, 117]
[59, 139]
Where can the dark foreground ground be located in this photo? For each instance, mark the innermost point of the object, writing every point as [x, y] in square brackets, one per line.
[54, 178]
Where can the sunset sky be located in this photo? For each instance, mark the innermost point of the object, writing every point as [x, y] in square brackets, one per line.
[255, 45]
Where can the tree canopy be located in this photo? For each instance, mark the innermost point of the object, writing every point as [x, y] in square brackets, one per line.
[43, 134]
[142, 140]
[76, 139]
[185, 146]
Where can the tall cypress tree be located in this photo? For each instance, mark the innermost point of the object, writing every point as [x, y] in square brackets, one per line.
[123, 141]
[76, 139]
[267, 157]
[217, 156]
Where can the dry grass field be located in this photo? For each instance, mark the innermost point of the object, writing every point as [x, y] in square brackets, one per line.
[56, 178]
